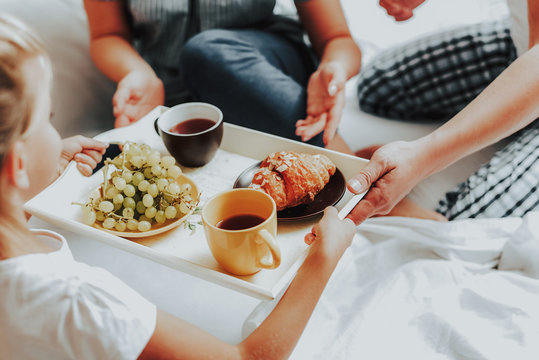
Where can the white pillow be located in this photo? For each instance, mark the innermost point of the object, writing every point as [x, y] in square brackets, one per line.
[82, 96]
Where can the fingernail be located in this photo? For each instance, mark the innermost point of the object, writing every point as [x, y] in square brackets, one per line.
[355, 185]
[332, 89]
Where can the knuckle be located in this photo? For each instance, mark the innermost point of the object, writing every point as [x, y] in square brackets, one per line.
[366, 176]
[382, 198]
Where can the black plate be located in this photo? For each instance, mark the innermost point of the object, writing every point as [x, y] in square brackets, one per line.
[329, 196]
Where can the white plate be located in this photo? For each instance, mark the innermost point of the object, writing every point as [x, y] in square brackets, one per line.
[181, 248]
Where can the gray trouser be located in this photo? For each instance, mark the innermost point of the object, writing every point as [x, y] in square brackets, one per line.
[256, 77]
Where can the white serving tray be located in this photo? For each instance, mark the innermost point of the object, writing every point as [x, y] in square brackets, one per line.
[181, 248]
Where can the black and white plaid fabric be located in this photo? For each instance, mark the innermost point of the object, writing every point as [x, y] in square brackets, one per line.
[435, 77]
[504, 186]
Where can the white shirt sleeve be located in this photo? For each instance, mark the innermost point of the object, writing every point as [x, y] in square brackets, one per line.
[53, 307]
[106, 318]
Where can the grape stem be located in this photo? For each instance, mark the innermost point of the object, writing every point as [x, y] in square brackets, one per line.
[105, 173]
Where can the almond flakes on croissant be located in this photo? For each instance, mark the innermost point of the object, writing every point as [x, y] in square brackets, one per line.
[292, 178]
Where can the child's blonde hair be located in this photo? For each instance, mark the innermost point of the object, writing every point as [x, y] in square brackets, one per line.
[17, 45]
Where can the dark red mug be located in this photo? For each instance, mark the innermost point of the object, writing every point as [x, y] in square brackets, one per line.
[192, 132]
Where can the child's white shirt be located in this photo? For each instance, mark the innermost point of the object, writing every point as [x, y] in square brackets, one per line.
[53, 307]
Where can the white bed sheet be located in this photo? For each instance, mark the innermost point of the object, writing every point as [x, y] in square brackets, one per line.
[417, 289]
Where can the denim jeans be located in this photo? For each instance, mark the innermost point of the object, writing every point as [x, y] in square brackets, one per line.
[257, 78]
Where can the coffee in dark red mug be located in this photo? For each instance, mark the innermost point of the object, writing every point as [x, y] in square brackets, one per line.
[192, 132]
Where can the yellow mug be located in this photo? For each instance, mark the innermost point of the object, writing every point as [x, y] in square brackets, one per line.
[240, 227]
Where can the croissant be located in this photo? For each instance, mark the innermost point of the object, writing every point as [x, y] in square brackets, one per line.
[292, 178]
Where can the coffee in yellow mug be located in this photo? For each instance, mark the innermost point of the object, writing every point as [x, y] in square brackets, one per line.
[240, 227]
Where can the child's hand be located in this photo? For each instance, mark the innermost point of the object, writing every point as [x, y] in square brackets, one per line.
[331, 235]
[84, 151]
[325, 103]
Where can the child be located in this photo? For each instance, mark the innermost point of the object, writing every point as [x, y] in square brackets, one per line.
[52, 306]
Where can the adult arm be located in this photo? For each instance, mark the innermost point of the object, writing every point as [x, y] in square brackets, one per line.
[340, 60]
[507, 105]
[276, 337]
[139, 89]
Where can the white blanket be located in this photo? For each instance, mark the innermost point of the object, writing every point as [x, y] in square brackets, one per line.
[416, 289]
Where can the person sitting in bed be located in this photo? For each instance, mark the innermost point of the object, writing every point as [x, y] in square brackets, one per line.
[54, 307]
[238, 55]
[489, 91]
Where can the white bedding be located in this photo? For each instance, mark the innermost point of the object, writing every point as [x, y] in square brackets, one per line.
[416, 289]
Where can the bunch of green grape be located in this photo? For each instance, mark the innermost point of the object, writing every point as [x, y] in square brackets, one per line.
[142, 191]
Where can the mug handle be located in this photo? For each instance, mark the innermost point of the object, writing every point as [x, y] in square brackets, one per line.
[156, 128]
[269, 240]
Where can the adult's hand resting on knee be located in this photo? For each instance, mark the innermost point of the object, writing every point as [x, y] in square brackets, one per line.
[390, 175]
[340, 60]
[325, 103]
[137, 94]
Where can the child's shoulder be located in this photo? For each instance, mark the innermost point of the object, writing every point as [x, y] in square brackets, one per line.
[57, 274]
[50, 295]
